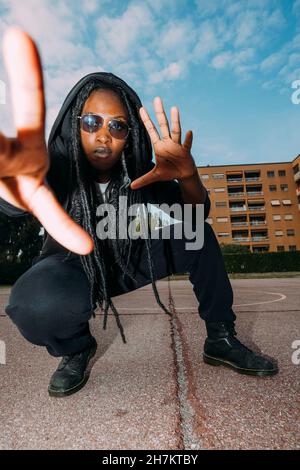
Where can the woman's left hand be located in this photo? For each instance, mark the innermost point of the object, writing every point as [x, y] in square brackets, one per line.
[173, 159]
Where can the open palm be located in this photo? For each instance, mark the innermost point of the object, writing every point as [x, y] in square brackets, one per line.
[173, 159]
[23, 160]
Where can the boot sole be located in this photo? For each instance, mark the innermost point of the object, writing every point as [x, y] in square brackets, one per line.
[213, 361]
[79, 386]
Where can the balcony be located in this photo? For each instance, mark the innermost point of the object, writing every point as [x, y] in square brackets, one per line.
[239, 223]
[238, 209]
[252, 178]
[254, 193]
[256, 208]
[237, 194]
[260, 248]
[297, 176]
[234, 180]
[252, 175]
[241, 239]
[258, 222]
[298, 191]
[259, 238]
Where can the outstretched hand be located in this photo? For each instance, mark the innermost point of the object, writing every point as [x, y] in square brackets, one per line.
[173, 159]
[23, 160]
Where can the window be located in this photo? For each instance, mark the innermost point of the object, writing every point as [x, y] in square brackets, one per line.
[270, 174]
[276, 217]
[280, 248]
[295, 170]
[275, 202]
[205, 177]
[286, 202]
[219, 190]
[218, 176]
[260, 249]
[288, 217]
[273, 187]
[284, 187]
[278, 233]
[223, 234]
[222, 219]
[292, 248]
[221, 204]
[209, 220]
[281, 172]
[290, 232]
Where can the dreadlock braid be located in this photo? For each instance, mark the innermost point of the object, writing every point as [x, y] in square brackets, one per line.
[85, 200]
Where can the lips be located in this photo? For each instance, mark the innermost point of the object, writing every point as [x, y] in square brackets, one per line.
[103, 151]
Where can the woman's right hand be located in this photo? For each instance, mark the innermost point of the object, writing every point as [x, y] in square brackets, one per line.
[23, 160]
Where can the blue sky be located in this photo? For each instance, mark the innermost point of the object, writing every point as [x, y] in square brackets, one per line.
[228, 65]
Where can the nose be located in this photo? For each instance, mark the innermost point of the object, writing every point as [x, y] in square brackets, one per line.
[103, 134]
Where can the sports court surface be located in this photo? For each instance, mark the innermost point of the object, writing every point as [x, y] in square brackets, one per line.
[155, 392]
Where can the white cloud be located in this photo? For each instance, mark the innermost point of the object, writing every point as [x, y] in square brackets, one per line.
[296, 7]
[89, 6]
[120, 38]
[233, 60]
[272, 61]
[222, 60]
[176, 38]
[206, 43]
[169, 73]
[150, 43]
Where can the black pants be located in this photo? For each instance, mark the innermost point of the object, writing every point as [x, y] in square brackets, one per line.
[50, 303]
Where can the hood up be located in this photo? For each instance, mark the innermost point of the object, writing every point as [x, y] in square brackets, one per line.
[61, 129]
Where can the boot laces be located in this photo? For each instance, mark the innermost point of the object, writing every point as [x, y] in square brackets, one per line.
[234, 333]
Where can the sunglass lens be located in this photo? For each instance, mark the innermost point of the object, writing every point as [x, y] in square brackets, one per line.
[91, 122]
[118, 129]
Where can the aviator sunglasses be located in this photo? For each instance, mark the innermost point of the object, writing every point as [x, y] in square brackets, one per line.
[91, 122]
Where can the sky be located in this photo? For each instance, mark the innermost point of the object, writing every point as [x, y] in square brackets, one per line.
[228, 65]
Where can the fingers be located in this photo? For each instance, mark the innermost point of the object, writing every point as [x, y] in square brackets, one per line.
[26, 81]
[58, 224]
[154, 136]
[175, 125]
[163, 122]
[161, 117]
[148, 178]
[188, 140]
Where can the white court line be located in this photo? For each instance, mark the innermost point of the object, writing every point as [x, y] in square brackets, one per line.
[281, 297]
[147, 310]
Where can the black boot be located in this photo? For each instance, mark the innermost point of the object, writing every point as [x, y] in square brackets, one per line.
[71, 374]
[222, 348]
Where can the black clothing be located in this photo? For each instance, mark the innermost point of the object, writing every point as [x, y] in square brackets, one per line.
[50, 303]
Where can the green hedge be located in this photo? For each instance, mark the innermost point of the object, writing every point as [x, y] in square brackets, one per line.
[263, 262]
[235, 263]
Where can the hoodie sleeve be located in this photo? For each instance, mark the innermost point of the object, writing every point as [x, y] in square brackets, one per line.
[10, 210]
[170, 193]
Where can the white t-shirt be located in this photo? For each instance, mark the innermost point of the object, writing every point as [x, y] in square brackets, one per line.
[102, 187]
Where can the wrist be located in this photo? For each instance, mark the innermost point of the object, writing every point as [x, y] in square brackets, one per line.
[190, 177]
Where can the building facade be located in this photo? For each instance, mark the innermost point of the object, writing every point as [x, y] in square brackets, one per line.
[257, 205]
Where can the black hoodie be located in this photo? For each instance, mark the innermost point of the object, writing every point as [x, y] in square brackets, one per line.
[58, 175]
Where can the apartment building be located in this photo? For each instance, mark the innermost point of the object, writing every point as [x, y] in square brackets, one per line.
[257, 205]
